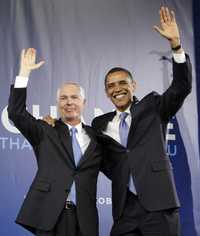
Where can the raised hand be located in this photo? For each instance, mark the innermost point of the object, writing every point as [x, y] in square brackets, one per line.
[28, 62]
[168, 27]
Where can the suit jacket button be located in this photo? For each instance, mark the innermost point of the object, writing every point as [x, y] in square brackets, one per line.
[127, 150]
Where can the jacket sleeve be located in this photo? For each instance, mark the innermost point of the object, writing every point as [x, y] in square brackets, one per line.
[172, 99]
[22, 119]
[106, 165]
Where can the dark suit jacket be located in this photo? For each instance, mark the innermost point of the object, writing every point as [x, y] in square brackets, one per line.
[56, 171]
[145, 156]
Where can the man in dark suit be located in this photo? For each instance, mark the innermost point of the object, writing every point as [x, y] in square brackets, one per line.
[145, 202]
[62, 198]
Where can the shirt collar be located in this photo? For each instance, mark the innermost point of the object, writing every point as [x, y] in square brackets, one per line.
[127, 111]
[78, 127]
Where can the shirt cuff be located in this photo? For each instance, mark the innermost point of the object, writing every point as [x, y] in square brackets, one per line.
[179, 57]
[21, 82]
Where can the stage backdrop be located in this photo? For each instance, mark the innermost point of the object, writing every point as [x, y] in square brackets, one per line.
[80, 40]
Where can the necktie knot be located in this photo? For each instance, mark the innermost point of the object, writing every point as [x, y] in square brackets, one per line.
[123, 116]
[73, 130]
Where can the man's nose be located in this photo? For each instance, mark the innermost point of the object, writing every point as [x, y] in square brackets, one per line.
[117, 88]
[69, 101]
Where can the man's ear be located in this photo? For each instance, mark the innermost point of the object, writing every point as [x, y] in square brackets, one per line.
[107, 93]
[134, 85]
[84, 101]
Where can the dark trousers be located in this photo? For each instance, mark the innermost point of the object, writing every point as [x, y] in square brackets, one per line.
[67, 225]
[136, 221]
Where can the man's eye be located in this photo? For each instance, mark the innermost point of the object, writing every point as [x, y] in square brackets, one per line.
[62, 98]
[74, 97]
[110, 85]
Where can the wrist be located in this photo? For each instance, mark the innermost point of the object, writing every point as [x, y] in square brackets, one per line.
[176, 46]
[24, 73]
[175, 42]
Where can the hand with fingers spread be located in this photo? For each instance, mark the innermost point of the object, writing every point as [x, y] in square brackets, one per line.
[28, 62]
[168, 27]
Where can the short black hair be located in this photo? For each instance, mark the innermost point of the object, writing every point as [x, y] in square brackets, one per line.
[116, 69]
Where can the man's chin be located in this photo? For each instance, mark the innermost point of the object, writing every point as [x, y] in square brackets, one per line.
[71, 118]
[121, 106]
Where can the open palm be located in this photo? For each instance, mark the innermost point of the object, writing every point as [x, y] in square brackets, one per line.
[28, 62]
[168, 26]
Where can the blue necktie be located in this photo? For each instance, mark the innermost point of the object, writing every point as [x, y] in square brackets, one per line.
[75, 146]
[123, 129]
[123, 134]
[77, 156]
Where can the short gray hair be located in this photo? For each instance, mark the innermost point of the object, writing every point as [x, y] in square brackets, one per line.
[82, 91]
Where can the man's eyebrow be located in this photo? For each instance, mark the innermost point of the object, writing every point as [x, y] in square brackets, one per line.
[72, 95]
[122, 80]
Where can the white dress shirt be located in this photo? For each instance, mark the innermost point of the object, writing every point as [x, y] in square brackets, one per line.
[112, 129]
[82, 137]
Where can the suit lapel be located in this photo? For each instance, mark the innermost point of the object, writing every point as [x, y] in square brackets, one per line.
[104, 122]
[135, 111]
[63, 133]
[91, 147]
[140, 122]
[102, 127]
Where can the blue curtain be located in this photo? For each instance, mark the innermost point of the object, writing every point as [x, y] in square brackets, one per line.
[196, 15]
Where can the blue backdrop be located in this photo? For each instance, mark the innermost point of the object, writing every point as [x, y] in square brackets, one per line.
[196, 20]
[80, 40]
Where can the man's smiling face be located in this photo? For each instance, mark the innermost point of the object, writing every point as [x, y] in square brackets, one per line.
[70, 103]
[120, 88]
